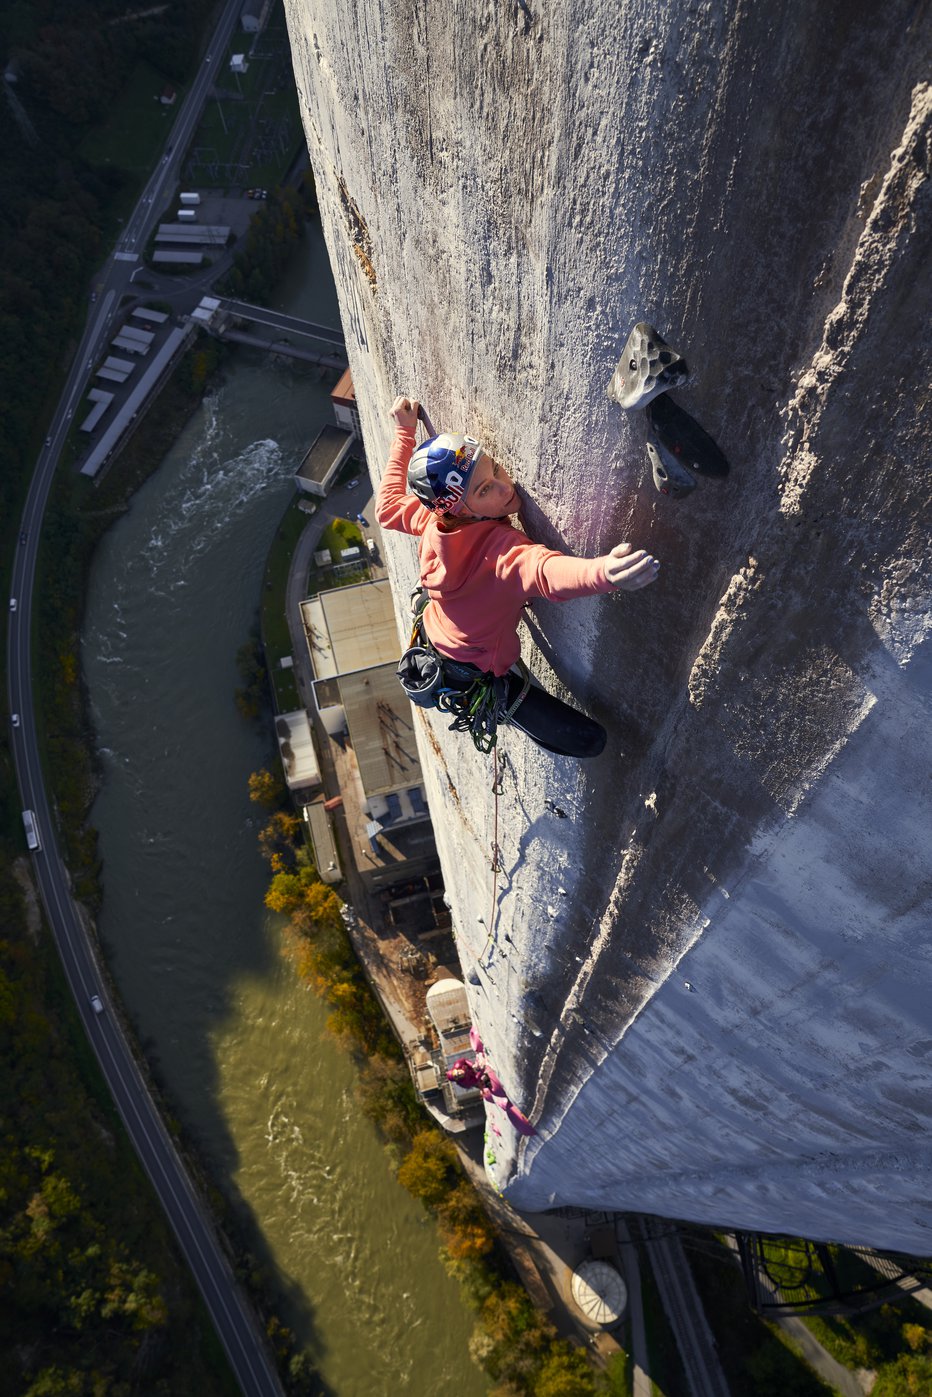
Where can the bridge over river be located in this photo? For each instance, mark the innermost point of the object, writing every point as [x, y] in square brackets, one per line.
[278, 333]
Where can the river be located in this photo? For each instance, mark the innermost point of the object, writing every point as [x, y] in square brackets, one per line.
[239, 1045]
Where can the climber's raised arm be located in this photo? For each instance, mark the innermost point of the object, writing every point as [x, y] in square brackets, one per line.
[395, 508]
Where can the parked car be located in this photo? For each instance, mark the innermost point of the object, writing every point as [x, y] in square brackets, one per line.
[97, 1004]
[351, 484]
[370, 544]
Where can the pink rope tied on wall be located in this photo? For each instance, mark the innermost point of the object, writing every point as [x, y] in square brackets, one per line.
[480, 1075]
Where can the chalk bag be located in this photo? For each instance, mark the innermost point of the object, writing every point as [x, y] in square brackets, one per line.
[420, 673]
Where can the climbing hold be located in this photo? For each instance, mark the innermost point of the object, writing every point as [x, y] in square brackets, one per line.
[473, 976]
[670, 477]
[673, 428]
[648, 366]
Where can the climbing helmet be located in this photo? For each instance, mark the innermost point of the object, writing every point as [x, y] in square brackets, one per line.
[439, 471]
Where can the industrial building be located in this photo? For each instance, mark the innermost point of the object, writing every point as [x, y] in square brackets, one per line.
[354, 650]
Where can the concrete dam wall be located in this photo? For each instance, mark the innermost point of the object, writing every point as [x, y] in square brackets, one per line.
[705, 962]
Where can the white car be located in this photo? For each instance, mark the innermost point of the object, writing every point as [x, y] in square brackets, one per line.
[14, 719]
[48, 441]
[97, 1004]
[12, 603]
[351, 484]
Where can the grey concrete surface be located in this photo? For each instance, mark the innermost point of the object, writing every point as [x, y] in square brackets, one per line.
[725, 915]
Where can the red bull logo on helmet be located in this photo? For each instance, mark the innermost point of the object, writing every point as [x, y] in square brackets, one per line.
[454, 488]
[440, 471]
[451, 488]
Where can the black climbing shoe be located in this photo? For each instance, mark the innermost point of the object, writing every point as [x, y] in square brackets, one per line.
[647, 367]
[669, 476]
[553, 724]
[673, 428]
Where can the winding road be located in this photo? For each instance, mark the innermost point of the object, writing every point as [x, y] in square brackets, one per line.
[230, 1310]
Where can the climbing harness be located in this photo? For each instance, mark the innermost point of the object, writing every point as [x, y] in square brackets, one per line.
[477, 699]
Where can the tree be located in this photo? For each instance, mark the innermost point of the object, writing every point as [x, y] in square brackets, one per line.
[464, 1227]
[429, 1166]
[278, 839]
[287, 891]
[265, 789]
[515, 1337]
[566, 1373]
[387, 1097]
[909, 1376]
[323, 907]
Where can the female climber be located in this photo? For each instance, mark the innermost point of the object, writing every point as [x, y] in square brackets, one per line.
[478, 572]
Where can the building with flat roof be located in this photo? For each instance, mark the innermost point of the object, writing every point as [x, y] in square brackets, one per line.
[353, 644]
[345, 407]
[180, 259]
[320, 829]
[150, 380]
[324, 457]
[448, 1009]
[210, 234]
[101, 400]
[133, 332]
[297, 751]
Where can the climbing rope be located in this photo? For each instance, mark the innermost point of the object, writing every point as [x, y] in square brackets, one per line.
[493, 909]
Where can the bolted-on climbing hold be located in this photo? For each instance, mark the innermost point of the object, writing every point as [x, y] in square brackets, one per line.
[472, 976]
[648, 366]
[670, 477]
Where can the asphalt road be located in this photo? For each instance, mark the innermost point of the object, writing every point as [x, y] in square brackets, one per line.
[232, 1315]
[684, 1310]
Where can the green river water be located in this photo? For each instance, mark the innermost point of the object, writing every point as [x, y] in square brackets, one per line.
[238, 1043]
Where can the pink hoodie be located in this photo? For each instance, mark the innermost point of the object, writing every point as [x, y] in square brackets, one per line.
[478, 577]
